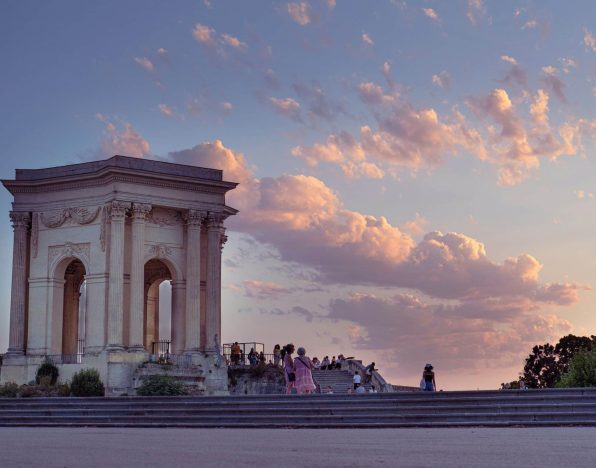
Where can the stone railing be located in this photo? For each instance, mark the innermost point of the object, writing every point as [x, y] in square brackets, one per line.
[379, 382]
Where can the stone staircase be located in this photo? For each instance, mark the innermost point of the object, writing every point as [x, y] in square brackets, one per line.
[341, 381]
[553, 407]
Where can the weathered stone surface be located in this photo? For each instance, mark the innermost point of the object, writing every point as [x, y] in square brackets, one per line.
[268, 380]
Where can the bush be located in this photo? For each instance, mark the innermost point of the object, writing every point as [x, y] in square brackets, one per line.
[9, 390]
[86, 383]
[161, 385]
[47, 374]
[582, 371]
[30, 391]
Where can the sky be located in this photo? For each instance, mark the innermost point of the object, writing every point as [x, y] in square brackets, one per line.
[416, 177]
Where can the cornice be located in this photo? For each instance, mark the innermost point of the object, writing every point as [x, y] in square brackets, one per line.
[110, 175]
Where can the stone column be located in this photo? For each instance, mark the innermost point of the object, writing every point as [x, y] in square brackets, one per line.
[137, 276]
[116, 278]
[16, 340]
[215, 239]
[178, 316]
[193, 281]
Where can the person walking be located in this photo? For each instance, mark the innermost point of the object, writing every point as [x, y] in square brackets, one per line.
[289, 370]
[303, 368]
[276, 355]
[356, 379]
[368, 372]
[235, 353]
[428, 376]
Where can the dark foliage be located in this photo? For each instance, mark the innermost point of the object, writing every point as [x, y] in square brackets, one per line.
[86, 383]
[582, 371]
[547, 363]
[161, 385]
[47, 374]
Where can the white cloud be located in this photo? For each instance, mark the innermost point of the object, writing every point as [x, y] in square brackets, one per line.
[145, 63]
[300, 13]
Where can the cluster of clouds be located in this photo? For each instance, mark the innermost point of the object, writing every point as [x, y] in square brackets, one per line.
[515, 135]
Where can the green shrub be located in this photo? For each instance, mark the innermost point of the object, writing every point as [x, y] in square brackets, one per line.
[86, 383]
[9, 390]
[582, 371]
[46, 373]
[161, 385]
[30, 391]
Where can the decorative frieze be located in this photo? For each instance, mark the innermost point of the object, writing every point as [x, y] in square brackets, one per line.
[159, 250]
[55, 219]
[68, 249]
[164, 217]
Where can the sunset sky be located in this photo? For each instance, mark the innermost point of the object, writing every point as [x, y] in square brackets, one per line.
[417, 178]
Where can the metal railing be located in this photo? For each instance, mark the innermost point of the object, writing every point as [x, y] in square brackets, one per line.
[243, 360]
[161, 347]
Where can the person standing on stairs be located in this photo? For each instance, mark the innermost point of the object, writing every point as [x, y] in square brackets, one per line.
[303, 368]
[289, 370]
[429, 379]
[356, 379]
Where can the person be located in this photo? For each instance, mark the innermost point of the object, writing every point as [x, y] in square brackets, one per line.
[289, 370]
[429, 379]
[303, 368]
[235, 353]
[261, 357]
[368, 372]
[522, 384]
[316, 363]
[360, 389]
[332, 365]
[325, 363]
[252, 357]
[276, 355]
[340, 360]
[372, 389]
[356, 379]
[328, 389]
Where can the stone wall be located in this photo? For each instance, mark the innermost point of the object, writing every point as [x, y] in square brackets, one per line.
[265, 380]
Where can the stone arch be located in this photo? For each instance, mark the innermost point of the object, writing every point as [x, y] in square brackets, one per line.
[69, 274]
[156, 271]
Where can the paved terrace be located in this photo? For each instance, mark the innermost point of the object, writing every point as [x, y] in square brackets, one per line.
[93, 447]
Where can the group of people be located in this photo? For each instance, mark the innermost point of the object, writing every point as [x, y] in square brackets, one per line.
[298, 370]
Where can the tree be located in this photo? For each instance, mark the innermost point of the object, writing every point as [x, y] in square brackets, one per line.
[547, 363]
[581, 372]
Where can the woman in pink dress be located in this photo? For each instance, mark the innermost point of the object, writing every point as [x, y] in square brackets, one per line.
[289, 371]
[303, 368]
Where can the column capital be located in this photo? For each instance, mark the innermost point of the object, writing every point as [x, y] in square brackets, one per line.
[118, 210]
[194, 218]
[215, 220]
[20, 220]
[139, 211]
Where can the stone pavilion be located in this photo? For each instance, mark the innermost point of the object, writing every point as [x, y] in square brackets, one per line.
[92, 243]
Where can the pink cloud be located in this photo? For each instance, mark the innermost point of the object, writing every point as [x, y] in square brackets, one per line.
[166, 110]
[442, 80]
[470, 338]
[264, 289]
[307, 223]
[476, 10]
[589, 40]
[145, 63]
[432, 14]
[204, 34]
[367, 40]
[288, 107]
[300, 12]
[121, 138]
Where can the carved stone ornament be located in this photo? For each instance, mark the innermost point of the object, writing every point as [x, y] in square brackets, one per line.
[159, 250]
[164, 217]
[103, 228]
[222, 240]
[139, 211]
[34, 234]
[20, 219]
[194, 218]
[118, 210]
[69, 249]
[54, 219]
[215, 220]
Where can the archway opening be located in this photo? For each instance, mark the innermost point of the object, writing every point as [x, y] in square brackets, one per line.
[157, 317]
[73, 309]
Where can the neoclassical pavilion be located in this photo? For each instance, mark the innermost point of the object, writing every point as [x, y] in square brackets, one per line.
[92, 244]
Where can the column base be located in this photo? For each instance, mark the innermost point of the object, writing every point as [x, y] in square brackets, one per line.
[14, 352]
[114, 348]
[136, 349]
